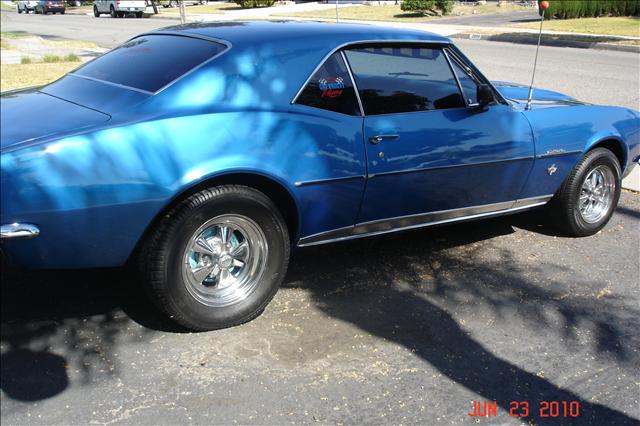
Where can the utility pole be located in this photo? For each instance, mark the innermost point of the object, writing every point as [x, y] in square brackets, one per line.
[183, 13]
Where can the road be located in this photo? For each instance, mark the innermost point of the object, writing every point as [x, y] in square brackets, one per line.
[401, 329]
[591, 75]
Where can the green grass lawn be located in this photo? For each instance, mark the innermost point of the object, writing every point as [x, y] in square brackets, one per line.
[14, 76]
[394, 13]
[4, 6]
[623, 26]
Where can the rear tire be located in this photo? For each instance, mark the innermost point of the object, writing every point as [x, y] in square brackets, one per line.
[216, 259]
[138, 15]
[95, 11]
[588, 197]
[112, 12]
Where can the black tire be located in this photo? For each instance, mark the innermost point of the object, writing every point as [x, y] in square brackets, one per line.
[62, 13]
[138, 15]
[112, 12]
[19, 10]
[565, 205]
[162, 256]
[95, 11]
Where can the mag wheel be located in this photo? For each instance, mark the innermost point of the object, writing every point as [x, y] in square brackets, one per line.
[589, 195]
[218, 258]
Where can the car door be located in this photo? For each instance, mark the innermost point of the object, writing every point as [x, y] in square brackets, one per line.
[428, 148]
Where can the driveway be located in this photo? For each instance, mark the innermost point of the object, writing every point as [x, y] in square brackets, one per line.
[408, 329]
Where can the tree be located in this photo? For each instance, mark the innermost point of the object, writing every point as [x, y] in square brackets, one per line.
[428, 6]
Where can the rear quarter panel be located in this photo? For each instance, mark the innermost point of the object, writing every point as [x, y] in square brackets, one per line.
[94, 194]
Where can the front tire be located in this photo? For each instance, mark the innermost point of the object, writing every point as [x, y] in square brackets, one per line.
[95, 11]
[588, 197]
[217, 259]
[112, 12]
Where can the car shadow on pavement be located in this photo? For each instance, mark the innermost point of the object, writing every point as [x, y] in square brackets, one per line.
[400, 288]
[404, 288]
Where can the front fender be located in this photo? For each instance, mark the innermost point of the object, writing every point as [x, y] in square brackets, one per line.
[563, 135]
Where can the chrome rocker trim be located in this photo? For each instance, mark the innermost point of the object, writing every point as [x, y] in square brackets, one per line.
[404, 223]
[18, 231]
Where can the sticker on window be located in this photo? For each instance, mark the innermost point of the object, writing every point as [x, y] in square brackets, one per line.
[331, 87]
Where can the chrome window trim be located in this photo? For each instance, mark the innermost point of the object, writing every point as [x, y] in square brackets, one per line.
[455, 76]
[461, 58]
[225, 43]
[356, 43]
[122, 86]
[353, 81]
[403, 223]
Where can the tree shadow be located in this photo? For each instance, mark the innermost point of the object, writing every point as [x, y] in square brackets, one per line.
[403, 288]
[81, 313]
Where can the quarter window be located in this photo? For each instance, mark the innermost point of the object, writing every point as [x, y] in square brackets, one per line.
[467, 81]
[331, 88]
[403, 79]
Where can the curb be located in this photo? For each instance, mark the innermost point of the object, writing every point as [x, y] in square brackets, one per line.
[546, 41]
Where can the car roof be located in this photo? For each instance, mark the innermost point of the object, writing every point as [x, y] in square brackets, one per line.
[251, 33]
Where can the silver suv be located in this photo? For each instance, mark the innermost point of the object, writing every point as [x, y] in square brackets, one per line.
[119, 8]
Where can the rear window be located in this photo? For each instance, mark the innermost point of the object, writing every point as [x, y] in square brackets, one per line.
[151, 62]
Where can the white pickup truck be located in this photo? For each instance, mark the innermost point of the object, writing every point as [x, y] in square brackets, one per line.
[119, 8]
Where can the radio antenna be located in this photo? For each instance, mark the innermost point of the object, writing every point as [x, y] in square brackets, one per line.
[542, 7]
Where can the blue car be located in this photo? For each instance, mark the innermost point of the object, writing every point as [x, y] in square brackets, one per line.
[203, 153]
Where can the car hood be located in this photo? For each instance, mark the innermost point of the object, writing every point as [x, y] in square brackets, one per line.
[30, 115]
[519, 93]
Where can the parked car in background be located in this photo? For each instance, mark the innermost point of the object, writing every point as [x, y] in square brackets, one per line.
[119, 8]
[50, 6]
[202, 153]
[26, 6]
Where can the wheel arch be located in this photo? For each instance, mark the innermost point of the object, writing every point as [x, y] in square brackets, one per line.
[613, 144]
[268, 185]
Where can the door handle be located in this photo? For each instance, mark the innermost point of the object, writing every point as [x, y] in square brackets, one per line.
[379, 138]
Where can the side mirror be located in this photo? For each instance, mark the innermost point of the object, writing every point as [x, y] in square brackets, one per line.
[484, 95]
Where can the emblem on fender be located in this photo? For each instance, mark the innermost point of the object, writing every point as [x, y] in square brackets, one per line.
[552, 169]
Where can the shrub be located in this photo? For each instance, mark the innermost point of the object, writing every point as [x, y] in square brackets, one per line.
[25, 60]
[255, 3]
[571, 9]
[72, 57]
[424, 6]
[51, 58]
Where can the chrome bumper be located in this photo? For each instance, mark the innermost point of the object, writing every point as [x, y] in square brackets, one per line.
[15, 231]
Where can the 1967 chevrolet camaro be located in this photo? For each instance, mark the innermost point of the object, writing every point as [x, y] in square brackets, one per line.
[203, 152]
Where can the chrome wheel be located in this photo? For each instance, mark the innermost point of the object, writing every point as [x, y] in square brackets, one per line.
[224, 260]
[596, 194]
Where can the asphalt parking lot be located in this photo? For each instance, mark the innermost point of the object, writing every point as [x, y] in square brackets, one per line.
[402, 329]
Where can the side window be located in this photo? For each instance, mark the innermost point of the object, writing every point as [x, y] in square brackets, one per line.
[331, 88]
[467, 81]
[403, 79]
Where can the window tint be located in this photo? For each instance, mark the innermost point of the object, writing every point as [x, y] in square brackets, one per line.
[151, 62]
[467, 81]
[403, 79]
[331, 88]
